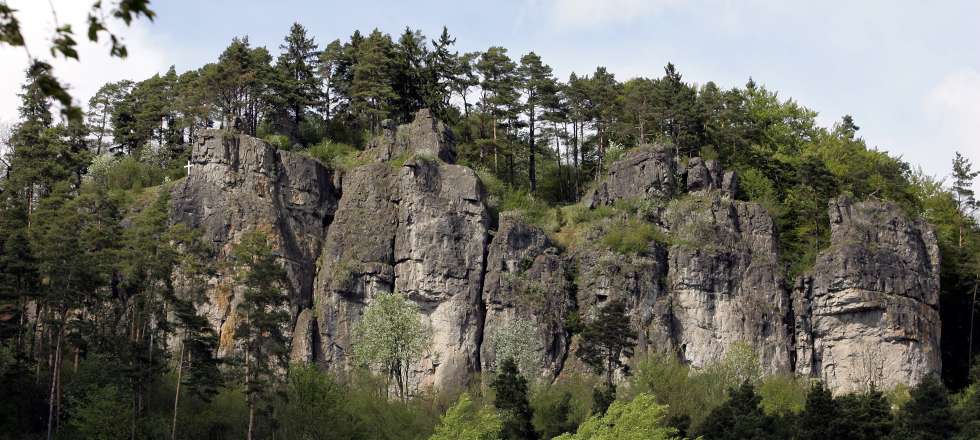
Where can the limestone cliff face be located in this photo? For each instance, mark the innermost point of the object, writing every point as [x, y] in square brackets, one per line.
[237, 183]
[725, 282]
[528, 282]
[411, 221]
[868, 312]
[420, 229]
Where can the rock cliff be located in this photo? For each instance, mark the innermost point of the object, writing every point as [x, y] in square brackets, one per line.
[411, 221]
[868, 312]
[236, 183]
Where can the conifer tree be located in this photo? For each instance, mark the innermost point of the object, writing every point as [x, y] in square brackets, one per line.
[928, 415]
[606, 340]
[539, 87]
[262, 316]
[739, 418]
[297, 83]
[512, 401]
[499, 93]
[371, 85]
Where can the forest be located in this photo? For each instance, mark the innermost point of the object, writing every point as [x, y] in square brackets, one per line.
[96, 343]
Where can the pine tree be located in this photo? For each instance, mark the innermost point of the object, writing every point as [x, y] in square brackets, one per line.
[371, 86]
[821, 418]
[297, 85]
[606, 340]
[928, 415]
[444, 70]
[512, 401]
[866, 416]
[411, 79]
[329, 66]
[262, 316]
[539, 87]
[499, 90]
[739, 418]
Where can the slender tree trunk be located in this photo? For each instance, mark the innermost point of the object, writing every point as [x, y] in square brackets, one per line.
[494, 128]
[180, 370]
[54, 386]
[531, 172]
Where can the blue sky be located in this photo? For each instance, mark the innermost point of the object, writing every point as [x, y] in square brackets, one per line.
[908, 71]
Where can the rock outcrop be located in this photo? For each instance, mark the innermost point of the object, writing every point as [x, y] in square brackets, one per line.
[725, 282]
[529, 286]
[707, 175]
[411, 221]
[648, 171]
[868, 312]
[425, 135]
[237, 183]
[420, 229]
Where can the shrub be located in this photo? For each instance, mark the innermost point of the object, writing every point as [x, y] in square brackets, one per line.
[336, 156]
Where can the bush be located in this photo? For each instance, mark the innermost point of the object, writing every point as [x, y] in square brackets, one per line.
[561, 407]
[631, 236]
[280, 141]
[336, 156]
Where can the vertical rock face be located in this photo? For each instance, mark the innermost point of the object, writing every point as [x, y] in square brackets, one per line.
[645, 172]
[425, 135]
[527, 282]
[414, 223]
[868, 313]
[237, 183]
[637, 281]
[420, 229]
[725, 283]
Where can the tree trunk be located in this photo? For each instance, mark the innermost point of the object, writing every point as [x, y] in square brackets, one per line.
[54, 385]
[531, 173]
[180, 370]
[248, 397]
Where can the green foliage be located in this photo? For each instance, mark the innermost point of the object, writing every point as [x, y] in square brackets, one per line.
[335, 155]
[562, 406]
[511, 399]
[606, 340]
[739, 418]
[782, 394]
[99, 413]
[640, 418]
[631, 237]
[391, 337]
[467, 421]
[313, 407]
[928, 415]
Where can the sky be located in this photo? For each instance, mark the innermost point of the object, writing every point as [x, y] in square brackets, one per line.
[907, 71]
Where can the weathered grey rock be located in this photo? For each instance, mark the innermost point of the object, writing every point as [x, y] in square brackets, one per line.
[420, 229]
[638, 281]
[707, 175]
[868, 312]
[645, 172]
[301, 349]
[725, 283]
[528, 285]
[238, 183]
[425, 135]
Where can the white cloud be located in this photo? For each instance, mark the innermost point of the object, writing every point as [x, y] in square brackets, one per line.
[954, 107]
[590, 13]
[96, 67]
